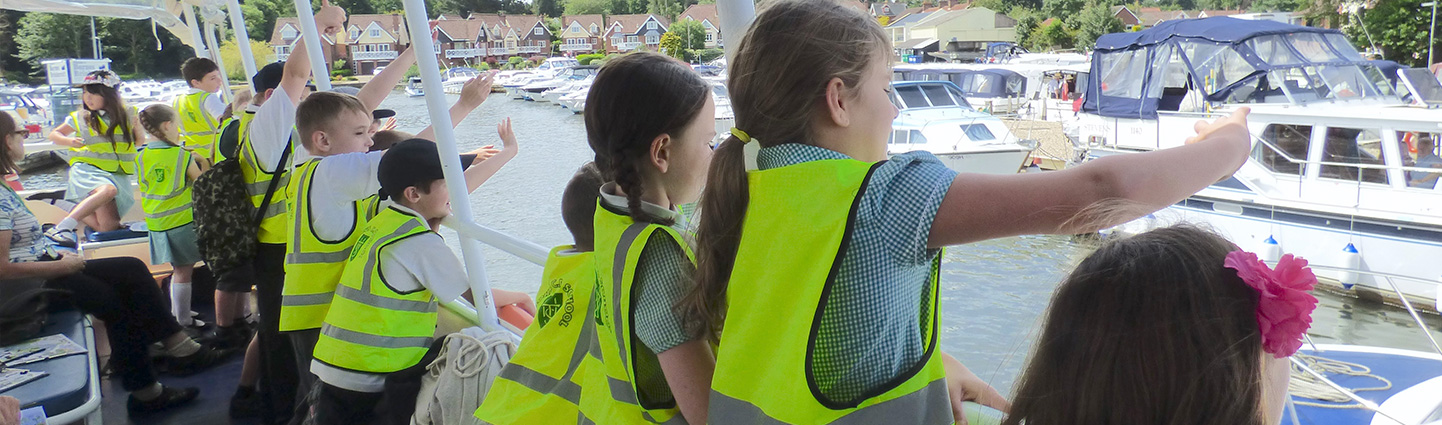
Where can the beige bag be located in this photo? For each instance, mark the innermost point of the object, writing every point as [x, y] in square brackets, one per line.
[461, 376]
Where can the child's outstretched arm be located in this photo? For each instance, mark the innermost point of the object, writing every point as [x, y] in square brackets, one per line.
[328, 20]
[377, 88]
[473, 94]
[481, 171]
[963, 385]
[979, 207]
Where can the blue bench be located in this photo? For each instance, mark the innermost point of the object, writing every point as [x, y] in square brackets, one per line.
[71, 391]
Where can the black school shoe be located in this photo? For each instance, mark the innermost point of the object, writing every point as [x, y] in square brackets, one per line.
[195, 363]
[169, 397]
[235, 336]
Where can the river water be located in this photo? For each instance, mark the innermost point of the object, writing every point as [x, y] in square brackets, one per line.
[994, 292]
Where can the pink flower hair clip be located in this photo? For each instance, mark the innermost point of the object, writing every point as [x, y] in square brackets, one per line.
[1284, 308]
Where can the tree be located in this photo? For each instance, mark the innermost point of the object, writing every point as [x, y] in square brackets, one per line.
[131, 47]
[1397, 29]
[1054, 35]
[1061, 9]
[999, 6]
[52, 35]
[548, 8]
[1026, 23]
[588, 7]
[691, 33]
[1279, 5]
[553, 25]
[260, 16]
[12, 68]
[671, 44]
[230, 53]
[1094, 21]
[666, 8]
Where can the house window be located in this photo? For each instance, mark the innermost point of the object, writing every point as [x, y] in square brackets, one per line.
[652, 38]
[282, 50]
[354, 33]
[593, 28]
[616, 40]
[375, 32]
[288, 32]
[650, 25]
[539, 31]
[710, 37]
[383, 48]
[631, 39]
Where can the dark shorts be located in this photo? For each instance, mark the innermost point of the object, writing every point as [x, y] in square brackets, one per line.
[267, 269]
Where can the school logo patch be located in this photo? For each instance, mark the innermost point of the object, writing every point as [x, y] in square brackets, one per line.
[559, 304]
[157, 176]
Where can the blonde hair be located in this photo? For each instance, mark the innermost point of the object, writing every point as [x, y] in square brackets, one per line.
[319, 111]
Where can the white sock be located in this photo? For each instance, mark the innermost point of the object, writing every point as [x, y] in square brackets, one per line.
[180, 302]
[67, 224]
[184, 348]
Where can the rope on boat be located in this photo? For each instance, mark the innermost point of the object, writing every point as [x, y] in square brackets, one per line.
[1304, 385]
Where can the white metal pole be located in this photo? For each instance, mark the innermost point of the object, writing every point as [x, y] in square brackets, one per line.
[94, 40]
[1431, 32]
[313, 48]
[211, 35]
[242, 40]
[196, 40]
[430, 70]
[736, 17]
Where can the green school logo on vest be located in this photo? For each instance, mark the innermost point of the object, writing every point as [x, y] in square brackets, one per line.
[559, 302]
[603, 305]
[157, 175]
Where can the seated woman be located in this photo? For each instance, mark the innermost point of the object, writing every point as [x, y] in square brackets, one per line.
[102, 138]
[1165, 327]
[118, 291]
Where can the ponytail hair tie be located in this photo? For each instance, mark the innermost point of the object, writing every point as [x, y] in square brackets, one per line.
[1284, 308]
[741, 135]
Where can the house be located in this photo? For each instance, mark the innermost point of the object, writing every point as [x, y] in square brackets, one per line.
[1151, 16]
[887, 12]
[456, 43]
[375, 40]
[902, 41]
[505, 36]
[287, 32]
[581, 34]
[1283, 17]
[1122, 13]
[710, 20]
[625, 33]
[962, 32]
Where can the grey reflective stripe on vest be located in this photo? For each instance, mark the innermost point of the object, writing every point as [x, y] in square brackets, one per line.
[274, 209]
[316, 257]
[305, 299]
[625, 393]
[122, 157]
[97, 140]
[371, 340]
[169, 212]
[375, 252]
[380, 302]
[581, 419]
[563, 387]
[258, 188]
[930, 405]
[199, 133]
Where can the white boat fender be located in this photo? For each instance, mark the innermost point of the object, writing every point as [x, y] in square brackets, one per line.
[1271, 250]
[1351, 260]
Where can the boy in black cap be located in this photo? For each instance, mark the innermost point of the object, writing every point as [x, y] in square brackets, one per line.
[376, 340]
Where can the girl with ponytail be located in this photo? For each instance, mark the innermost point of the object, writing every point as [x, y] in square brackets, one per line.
[834, 249]
[166, 172]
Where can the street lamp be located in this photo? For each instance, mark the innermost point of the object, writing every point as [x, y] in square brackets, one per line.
[1431, 32]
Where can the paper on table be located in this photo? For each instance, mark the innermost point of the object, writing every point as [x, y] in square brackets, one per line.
[12, 377]
[52, 346]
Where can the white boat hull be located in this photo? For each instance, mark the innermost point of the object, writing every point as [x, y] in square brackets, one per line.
[1002, 160]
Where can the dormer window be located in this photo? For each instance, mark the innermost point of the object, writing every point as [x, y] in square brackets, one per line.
[354, 33]
[539, 31]
[593, 28]
[650, 25]
[375, 32]
[288, 32]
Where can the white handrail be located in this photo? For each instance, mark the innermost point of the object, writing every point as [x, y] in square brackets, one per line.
[524, 249]
[242, 40]
[318, 69]
[419, 26]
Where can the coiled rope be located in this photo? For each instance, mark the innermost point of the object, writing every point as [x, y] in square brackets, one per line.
[1305, 385]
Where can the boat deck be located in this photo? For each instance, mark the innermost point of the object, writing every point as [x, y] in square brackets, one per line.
[1402, 372]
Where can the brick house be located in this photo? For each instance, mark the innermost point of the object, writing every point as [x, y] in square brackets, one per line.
[581, 34]
[375, 40]
[456, 41]
[710, 20]
[504, 36]
[287, 33]
[626, 33]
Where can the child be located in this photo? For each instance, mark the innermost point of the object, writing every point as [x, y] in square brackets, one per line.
[831, 251]
[201, 109]
[166, 173]
[561, 332]
[650, 121]
[327, 195]
[101, 137]
[378, 328]
[1167, 327]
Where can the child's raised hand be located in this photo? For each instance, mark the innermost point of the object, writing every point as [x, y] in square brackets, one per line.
[508, 138]
[474, 92]
[330, 19]
[483, 153]
[1232, 126]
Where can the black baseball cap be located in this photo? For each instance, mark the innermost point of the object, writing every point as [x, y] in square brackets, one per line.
[413, 162]
[268, 77]
[381, 114]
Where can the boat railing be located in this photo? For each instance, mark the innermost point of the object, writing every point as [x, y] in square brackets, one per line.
[1283, 154]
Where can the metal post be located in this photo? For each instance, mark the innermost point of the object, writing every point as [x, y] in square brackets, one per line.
[196, 40]
[313, 48]
[242, 39]
[429, 66]
[736, 17]
[211, 35]
[94, 40]
[1431, 31]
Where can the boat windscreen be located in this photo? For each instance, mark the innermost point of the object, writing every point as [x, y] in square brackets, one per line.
[1423, 85]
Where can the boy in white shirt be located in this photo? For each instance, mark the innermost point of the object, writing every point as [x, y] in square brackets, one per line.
[376, 337]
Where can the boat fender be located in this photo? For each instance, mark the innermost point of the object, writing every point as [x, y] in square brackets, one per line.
[1271, 250]
[1351, 260]
[515, 316]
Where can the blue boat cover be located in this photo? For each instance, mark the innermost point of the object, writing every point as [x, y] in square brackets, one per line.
[1229, 59]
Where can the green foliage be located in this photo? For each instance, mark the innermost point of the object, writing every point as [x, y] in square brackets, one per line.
[51, 35]
[1094, 21]
[549, 8]
[413, 72]
[554, 26]
[691, 33]
[1002, 6]
[707, 55]
[671, 45]
[1026, 22]
[464, 8]
[230, 53]
[341, 72]
[666, 8]
[588, 58]
[482, 66]
[515, 60]
[588, 7]
[260, 16]
[1061, 9]
[1280, 5]
[1053, 36]
[1398, 28]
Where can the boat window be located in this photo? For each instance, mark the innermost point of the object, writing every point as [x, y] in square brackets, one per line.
[1216, 65]
[1313, 48]
[1015, 86]
[898, 137]
[1353, 146]
[978, 132]
[937, 94]
[1419, 149]
[916, 137]
[1342, 46]
[1303, 84]
[960, 98]
[911, 97]
[1379, 80]
[1123, 73]
[1346, 81]
[1273, 50]
[1288, 141]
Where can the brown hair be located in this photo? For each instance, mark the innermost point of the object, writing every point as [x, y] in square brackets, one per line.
[777, 83]
[8, 126]
[578, 205]
[634, 99]
[153, 116]
[1150, 329]
[318, 112]
[114, 109]
[384, 139]
[195, 69]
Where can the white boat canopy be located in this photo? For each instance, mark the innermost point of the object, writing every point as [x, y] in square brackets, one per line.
[165, 13]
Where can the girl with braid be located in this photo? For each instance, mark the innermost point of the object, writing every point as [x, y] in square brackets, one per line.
[166, 172]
